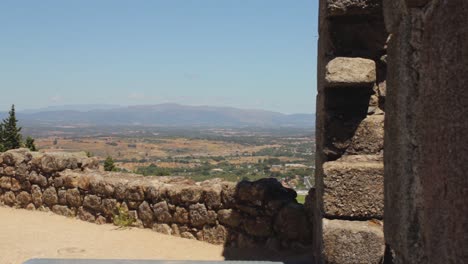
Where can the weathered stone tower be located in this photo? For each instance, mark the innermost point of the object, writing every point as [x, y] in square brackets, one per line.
[425, 44]
[350, 131]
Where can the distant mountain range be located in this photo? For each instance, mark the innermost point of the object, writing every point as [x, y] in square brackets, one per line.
[161, 115]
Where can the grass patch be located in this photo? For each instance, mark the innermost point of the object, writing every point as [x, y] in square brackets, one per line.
[301, 198]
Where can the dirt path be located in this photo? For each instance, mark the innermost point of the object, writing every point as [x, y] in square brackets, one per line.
[25, 235]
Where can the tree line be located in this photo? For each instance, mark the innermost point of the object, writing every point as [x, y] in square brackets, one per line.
[10, 134]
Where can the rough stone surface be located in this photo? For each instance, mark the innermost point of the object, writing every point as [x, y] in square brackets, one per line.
[368, 137]
[85, 215]
[426, 128]
[145, 214]
[199, 215]
[352, 7]
[161, 212]
[92, 202]
[23, 199]
[349, 242]
[350, 72]
[50, 197]
[229, 217]
[214, 235]
[162, 228]
[73, 197]
[63, 210]
[353, 189]
[36, 195]
[291, 223]
[181, 215]
[109, 207]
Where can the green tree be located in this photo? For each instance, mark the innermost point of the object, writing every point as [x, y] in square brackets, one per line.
[109, 164]
[30, 144]
[2, 147]
[10, 137]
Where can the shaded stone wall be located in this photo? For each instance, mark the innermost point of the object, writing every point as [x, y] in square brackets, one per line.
[426, 138]
[348, 204]
[245, 215]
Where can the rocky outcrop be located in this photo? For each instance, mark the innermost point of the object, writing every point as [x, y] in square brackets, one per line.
[248, 214]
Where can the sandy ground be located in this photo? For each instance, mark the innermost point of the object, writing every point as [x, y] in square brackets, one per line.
[25, 235]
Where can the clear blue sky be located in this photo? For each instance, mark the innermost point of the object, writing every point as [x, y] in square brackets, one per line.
[241, 53]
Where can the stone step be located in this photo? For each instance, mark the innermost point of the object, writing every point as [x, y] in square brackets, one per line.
[353, 187]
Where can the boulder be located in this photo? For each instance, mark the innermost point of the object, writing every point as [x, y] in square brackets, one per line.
[163, 228]
[5, 183]
[350, 72]
[352, 242]
[199, 215]
[85, 215]
[100, 187]
[109, 207]
[76, 180]
[214, 235]
[73, 197]
[63, 210]
[15, 157]
[9, 198]
[181, 216]
[15, 185]
[152, 193]
[23, 199]
[62, 199]
[185, 195]
[38, 179]
[36, 195]
[187, 235]
[162, 213]
[212, 197]
[229, 217]
[92, 202]
[135, 192]
[145, 214]
[50, 197]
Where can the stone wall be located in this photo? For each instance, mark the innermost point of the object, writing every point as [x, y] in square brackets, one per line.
[244, 215]
[426, 138]
[349, 199]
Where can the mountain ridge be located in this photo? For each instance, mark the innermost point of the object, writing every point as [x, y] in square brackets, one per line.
[168, 114]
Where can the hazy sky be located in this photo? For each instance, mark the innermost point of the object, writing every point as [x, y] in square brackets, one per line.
[242, 53]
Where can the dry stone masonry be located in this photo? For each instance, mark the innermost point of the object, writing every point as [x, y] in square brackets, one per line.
[244, 215]
[349, 199]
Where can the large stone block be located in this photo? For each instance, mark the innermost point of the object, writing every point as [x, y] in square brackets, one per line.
[353, 7]
[350, 242]
[350, 72]
[369, 136]
[353, 189]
